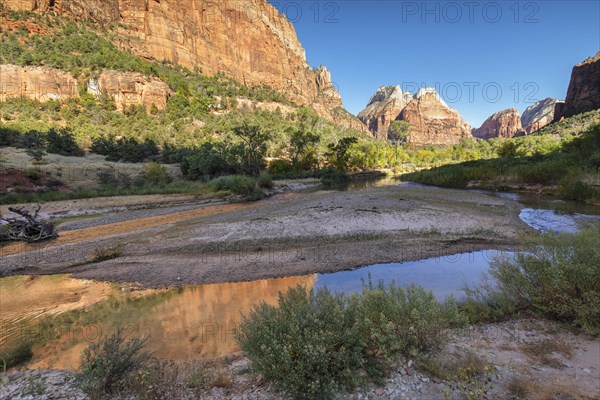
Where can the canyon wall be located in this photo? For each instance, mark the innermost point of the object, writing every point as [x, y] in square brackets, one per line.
[539, 114]
[504, 124]
[249, 41]
[583, 93]
[432, 122]
[43, 84]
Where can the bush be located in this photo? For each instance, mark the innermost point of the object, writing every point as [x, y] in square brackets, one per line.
[281, 167]
[174, 155]
[306, 346]
[572, 189]
[62, 142]
[125, 149]
[156, 174]
[237, 184]
[211, 160]
[332, 178]
[395, 321]
[106, 364]
[314, 344]
[559, 277]
[265, 181]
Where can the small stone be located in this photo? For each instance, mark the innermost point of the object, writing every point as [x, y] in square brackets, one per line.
[587, 371]
[409, 371]
[424, 379]
[436, 380]
[379, 391]
[410, 363]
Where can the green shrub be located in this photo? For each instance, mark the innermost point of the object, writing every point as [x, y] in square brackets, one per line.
[106, 364]
[112, 178]
[265, 181]
[572, 189]
[31, 140]
[62, 142]
[306, 346]
[156, 174]
[174, 155]
[280, 167]
[332, 178]
[125, 149]
[314, 344]
[395, 321]
[237, 184]
[211, 160]
[559, 277]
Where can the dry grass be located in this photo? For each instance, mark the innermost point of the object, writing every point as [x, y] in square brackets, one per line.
[520, 387]
[445, 367]
[548, 352]
[107, 253]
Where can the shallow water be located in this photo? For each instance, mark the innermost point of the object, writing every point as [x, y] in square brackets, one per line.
[551, 215]
[193, 322]
[444, 275]
[60, 315]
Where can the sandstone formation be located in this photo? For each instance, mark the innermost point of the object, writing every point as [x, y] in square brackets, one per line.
[249, 41]
[584, 89]
[433, 122]
[383, 108]
[505, 124]
[131, 88]
[43, 84]
[36, 83]
[539, 114]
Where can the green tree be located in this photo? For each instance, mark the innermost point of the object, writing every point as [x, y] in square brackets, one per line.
[398, 132]
[254, 139]
[339, 152]
[303, 136]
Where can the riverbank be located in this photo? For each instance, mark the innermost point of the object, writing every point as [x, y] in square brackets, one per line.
[527, 359]
[288, 234]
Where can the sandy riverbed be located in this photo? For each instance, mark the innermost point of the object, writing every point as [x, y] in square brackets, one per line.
[288, 234]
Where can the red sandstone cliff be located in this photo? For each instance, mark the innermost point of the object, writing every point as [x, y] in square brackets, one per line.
[432, 121]
[505, 124]
[249, 41]
[584, 89]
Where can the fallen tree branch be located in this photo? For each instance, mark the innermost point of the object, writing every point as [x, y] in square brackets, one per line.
[27, 228]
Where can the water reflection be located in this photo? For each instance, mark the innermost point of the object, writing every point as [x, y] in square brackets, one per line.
[444, 276]
[181, 324]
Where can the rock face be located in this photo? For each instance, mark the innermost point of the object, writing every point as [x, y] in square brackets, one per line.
[505, 124]
[539, 114]
[584, 89]
[383, 108]
[43, 84]
[249, 41]
[130, 88]
[36, 83]
[433, 122]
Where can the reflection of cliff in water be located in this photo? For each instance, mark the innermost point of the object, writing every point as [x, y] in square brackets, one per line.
[190, 323]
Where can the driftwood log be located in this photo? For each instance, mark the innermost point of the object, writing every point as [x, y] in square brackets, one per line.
[27, 228]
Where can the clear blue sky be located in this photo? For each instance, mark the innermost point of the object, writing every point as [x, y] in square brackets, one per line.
[526, 49]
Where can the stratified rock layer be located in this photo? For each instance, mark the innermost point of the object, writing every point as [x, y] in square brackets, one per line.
[433, 122]
[131, 88]
[43, 84]
[383, 108]
[36, 83]
[505, 124]
[539, 114]
[584, 89]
